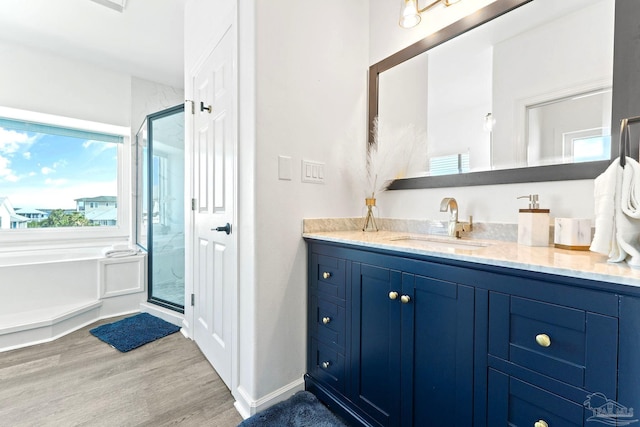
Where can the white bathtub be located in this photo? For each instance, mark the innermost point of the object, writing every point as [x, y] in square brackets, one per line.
[12, 259]
[45, 294]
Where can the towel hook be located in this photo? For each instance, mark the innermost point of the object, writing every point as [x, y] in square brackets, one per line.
[624, 141]
[625, 149]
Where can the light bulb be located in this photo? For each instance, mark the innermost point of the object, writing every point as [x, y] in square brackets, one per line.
[409, 16]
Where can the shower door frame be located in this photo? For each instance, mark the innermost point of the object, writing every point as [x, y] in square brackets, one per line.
[150, 201]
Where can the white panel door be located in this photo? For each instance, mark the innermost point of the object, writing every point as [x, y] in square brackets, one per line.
[215, 252]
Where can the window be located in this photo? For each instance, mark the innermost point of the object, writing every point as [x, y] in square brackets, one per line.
[449, 165]
[587, 145]
[59, 172]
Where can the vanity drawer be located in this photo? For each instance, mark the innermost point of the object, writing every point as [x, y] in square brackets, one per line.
[327, 365]
[329, 321]
[570, 345]
[517, 403]
[330, 275]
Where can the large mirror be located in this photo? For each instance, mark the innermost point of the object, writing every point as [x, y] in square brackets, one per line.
[520, 91]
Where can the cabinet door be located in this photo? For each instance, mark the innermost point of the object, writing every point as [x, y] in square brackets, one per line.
[375, 345]
[437, 353]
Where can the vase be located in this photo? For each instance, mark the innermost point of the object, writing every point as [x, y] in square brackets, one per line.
[370, 219]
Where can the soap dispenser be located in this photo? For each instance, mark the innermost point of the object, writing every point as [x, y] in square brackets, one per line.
[533, 223]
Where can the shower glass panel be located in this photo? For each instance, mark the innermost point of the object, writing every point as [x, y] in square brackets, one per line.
[160, 200]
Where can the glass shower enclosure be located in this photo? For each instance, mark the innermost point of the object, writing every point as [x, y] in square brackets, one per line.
[160, 207]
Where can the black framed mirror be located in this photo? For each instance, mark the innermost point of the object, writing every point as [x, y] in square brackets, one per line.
[616, 108]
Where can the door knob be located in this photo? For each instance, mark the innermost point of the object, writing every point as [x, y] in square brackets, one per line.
[226, 228]
[326, 275]
[405, 299]
[541, 423]
[207, 108]
[326, 320]
[393, 295]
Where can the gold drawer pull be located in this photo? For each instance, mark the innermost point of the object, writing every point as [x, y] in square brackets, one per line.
[326, 275]
[543, 340]
[393, 295]
[405, 299]
[541, 423]
[326, 320]
[326, 365]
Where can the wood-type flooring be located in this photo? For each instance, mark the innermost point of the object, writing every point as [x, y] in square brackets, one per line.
[78, 380]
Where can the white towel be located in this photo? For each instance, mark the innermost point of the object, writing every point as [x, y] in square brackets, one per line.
[604, 197]
[628, 216]
[119, 251]
[617, 210]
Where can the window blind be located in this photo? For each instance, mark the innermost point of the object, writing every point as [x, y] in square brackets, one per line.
[25, 126]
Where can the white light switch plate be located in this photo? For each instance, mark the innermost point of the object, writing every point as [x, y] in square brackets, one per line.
[284, 168]
[312, 172]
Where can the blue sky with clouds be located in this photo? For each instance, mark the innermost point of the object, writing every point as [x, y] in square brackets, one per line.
[49, 171]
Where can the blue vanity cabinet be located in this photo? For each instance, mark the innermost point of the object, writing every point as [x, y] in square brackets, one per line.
[428, 341]
[410, 338]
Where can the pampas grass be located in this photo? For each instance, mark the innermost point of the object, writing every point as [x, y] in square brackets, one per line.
[393, 153]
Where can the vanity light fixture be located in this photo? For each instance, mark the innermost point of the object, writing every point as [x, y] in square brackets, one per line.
[410, 14]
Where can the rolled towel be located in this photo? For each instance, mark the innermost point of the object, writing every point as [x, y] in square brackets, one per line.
[628, 215]
[119, 251]
[604, 195]
[617, 210]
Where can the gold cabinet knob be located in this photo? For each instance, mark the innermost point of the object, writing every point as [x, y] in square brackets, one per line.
[393, 295]
[541, 423]
[326, 275]
[405, 299]
[543, 340]
[326, 320]
[326, 364]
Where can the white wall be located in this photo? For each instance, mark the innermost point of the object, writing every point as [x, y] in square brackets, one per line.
[150, 97]
[38, 81]
[456, 97]
[486, 203]
[310, 89]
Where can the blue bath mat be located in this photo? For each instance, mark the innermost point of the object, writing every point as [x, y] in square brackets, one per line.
[132, 332]
[302, 409]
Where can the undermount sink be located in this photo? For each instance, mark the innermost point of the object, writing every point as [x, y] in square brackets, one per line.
[441, 242]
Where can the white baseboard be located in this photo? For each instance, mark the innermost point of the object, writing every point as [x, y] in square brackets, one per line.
[166, 314]
[248, 406]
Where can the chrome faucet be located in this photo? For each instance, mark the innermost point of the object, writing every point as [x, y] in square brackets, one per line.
[455, 226]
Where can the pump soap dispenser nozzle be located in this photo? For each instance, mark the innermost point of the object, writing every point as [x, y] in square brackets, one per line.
[533, 201]
[533, 223]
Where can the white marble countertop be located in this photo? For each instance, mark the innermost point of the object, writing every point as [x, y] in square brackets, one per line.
[582, 264]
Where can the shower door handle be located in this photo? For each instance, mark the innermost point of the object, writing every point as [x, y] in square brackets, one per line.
[226, 228]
